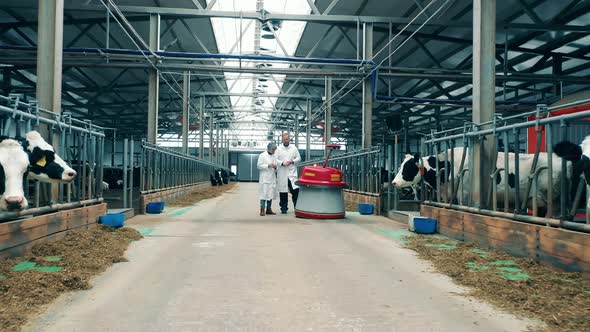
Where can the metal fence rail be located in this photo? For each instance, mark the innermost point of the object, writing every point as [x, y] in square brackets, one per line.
[79, 143]
[361, 169]
[163, 169]
[527, 192]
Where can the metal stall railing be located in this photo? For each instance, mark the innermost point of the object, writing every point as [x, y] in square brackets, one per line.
[530, 187]
[163, 169]
[80, 144]
[361, 169]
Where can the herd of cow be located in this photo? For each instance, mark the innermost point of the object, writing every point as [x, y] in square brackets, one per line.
[577, 158]
[32, 157]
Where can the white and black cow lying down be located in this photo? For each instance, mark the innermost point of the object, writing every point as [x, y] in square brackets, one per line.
[409, 175]
[31, 156]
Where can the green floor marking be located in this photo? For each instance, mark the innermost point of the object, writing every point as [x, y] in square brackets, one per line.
[441, 246]
[481, 253]
[509, 269]
[515, 276]
[146, 231]
[473, 267]
[504, 263]
[26, 265]
[587, 292]
[512, 273]
[397, 234]
[48, 268]
[180, 212]
[53, 259]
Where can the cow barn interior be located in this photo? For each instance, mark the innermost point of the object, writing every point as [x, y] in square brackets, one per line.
[427, 141]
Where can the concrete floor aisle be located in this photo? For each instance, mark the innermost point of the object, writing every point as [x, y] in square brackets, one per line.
[221, 267]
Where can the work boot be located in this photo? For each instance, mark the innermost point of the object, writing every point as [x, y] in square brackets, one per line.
[262, 213]
[269, 212]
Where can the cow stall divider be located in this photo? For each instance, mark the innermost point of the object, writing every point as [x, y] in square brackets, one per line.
[166, 174]
[528, 193]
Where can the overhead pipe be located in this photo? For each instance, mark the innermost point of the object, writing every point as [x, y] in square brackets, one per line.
[467, 102]
[189, 55]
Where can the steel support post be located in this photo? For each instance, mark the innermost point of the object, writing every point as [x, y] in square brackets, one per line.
[367, 87]
[49, 66]
[186, 95]
[153, 82]
[202, 127]
[484, 105]
[211, 128]
[328, 114]
[308, 132]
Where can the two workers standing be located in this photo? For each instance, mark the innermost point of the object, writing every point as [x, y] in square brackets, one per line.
[278, 173]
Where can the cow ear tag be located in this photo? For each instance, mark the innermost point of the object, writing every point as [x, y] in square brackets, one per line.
[42, 162]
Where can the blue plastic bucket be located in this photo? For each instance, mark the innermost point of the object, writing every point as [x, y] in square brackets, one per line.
[366, 208]
[114, 220]
[424, 225]
[154, 207]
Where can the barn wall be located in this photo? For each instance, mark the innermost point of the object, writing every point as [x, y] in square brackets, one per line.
[17, 238]
[565, 249]
[351, 196]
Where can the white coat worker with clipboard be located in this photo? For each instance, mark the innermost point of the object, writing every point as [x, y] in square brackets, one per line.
[267, 165]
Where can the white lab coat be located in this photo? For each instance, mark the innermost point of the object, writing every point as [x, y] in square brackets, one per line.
[267, 177]
[285, 173]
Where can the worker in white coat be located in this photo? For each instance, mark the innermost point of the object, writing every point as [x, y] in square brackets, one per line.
[267, 165]
[287, 158]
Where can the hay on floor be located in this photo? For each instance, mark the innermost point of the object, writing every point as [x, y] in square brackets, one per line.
[203, 193]
[517, 285]
[29, 283]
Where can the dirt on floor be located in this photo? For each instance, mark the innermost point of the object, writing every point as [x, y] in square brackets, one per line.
[203, 193]
[28, 284]
[517, 285]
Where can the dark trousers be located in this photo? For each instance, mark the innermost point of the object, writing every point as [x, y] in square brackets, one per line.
[284, 197]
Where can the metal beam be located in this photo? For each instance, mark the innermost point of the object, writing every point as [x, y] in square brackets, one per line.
[201, 127]
[49, 66]
[328, 114]
[308, 131]
[530, 12]
[186, 95]
[313, 7]
[153, 82]
[484, 103]
[330, 7]
[211, 118]
[367, 88]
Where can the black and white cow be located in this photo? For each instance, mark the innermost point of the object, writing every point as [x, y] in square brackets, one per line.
[14, 166]
[46, 165]
[216, 178]
[410, 174]
[579, 156]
